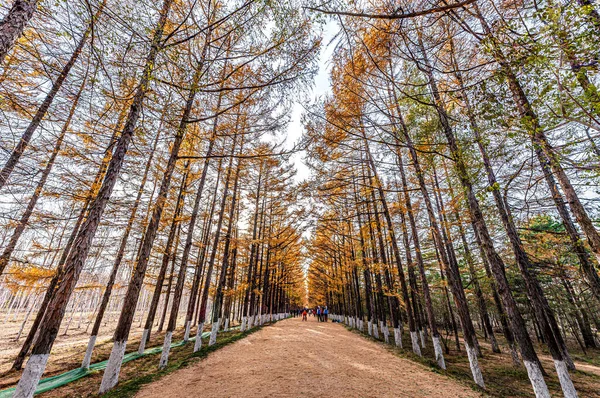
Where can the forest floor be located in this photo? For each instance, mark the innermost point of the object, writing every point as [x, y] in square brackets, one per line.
[309, 359]
[69, 347]
[292, 358]
[502, 378]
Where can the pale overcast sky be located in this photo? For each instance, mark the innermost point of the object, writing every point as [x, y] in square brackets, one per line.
[320, 88]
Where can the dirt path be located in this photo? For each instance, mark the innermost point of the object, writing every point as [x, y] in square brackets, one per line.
[305, 359]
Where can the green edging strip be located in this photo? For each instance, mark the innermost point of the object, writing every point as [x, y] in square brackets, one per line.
[50, 383]
[128, 388]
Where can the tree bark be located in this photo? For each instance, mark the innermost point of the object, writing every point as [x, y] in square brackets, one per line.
[119, 257]
[13, 24]
[213, 254]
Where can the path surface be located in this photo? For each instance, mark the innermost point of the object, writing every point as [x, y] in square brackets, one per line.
[305, 359]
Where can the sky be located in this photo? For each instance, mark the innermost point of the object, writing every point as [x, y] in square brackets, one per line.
[321, 87]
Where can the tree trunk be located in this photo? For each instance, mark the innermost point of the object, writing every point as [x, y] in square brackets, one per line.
[519, 329]
[166, 259]
[20, 228]
[213, 254]
[396, 252]
[550, 164]
[119, 257]
[13, 25]
[218, 301]
[93, 192]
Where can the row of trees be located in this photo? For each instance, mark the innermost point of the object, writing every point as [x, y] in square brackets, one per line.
[142, 160]
[454, 163]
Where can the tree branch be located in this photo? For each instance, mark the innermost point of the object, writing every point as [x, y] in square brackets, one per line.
[394, 15]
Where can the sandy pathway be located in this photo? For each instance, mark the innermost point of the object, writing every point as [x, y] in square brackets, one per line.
[305, 359]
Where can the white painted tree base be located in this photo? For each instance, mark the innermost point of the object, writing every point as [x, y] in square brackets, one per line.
[198, 342]
[565, 379]
[31, 376]
[423, 341]
[186, 335]
[375, 331]
[213, 333]
[164, 357]
[243, 325]
[113, 367]
[414, 339]
[370, 328]
[142, 346]
[226, 327]
[386, 335]
[398, 337]
[88, 353]
[474, 364]
[537, 380]
[439, 354]
[250, 320]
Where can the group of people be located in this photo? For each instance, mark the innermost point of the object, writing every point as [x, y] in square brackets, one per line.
[320, 312]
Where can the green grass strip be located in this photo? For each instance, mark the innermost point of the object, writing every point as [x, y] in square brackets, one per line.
[52, 382]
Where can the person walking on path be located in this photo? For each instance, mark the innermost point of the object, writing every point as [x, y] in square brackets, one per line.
[325, 313]
[304, 313]
[319, 314]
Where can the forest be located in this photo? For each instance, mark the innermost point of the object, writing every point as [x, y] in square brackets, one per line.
[152, 208]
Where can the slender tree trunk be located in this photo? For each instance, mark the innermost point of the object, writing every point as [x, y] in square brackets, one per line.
[50, 291]
[425, 285]
[13, 24]
[10, 28]
[534, 291]
[551, 167]
[366, 271]
[173, 260]
[202, 257]
[166, 259]
[81, 246]
[218, 301]
[396, 251]
[111, 374]
[119, 257]
[253, 250]
[211, 261]
[519, 329]
[20, 228]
